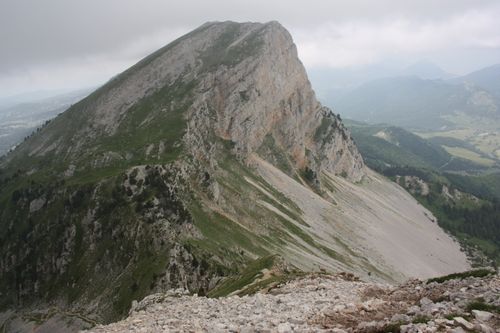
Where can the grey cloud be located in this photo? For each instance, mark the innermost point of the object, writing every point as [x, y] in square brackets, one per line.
[37, 35]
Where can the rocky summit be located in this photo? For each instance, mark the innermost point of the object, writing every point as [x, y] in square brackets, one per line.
[326, 303]
[177, 173]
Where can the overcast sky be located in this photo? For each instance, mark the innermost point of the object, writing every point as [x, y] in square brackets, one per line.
[68, 44]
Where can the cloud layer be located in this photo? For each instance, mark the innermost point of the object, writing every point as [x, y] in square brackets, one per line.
[362, 42]
[56, 44]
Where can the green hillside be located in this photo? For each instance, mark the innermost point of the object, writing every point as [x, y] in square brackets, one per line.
[385, 146]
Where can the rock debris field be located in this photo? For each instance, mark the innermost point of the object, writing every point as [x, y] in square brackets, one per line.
[326, 303]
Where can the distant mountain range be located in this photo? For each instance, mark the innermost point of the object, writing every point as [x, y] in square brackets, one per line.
[487, 78]
[330, 84]
[426, 70]
[418, 102]
[452, 165]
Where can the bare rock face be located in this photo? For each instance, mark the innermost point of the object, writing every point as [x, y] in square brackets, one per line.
[267, 96]
[247, 85]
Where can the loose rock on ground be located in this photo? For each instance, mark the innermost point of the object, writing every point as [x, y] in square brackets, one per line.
[326, 303]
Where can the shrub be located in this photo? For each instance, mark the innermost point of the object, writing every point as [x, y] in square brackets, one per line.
[473, 273]
[479, 304]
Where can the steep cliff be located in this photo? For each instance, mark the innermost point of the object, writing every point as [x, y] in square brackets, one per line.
[238, 82]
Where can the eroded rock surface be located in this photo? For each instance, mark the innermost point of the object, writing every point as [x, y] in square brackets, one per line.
[326, 303]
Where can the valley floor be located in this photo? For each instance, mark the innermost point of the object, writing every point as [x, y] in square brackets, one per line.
[326, 303]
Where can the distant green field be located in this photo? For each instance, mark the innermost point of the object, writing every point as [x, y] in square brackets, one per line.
[482, 133]
[469, 155]
[461, 134]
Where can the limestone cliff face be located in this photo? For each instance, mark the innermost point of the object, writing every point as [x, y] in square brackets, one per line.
[246, 83]
[268, 96]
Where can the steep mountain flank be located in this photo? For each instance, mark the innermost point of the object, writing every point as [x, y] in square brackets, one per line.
[487, 78]
[208, 153]
[240, 83]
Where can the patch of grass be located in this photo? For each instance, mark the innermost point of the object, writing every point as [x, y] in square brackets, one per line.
[92, 176]
[235, 178]
[249, 274]
[392, 327]
[452, 315]
[282, 208]
[274, 280]
[469, 155]
[134, 284]
[296, 230]
[335, 255]
[463, 275]
[222, 235]
[480, 304]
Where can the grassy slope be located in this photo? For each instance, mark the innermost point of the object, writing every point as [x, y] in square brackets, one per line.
[18, 191]
[257, 275]
[399, 147]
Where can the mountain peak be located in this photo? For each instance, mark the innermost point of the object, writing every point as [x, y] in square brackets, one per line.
[426, 69]
[247, 75]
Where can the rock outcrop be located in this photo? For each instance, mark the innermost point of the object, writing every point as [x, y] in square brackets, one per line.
[267, 97]
[238, 82]
[325, 303]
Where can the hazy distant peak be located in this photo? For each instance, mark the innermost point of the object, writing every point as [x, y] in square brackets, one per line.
[427, 70]
[487, 78]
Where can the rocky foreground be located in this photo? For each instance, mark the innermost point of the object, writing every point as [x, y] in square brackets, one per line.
[327, 303]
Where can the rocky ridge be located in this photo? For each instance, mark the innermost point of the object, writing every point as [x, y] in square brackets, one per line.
[241, 83]
[327, 303]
